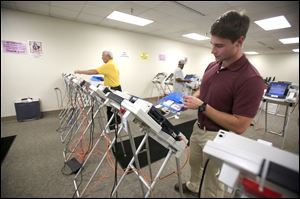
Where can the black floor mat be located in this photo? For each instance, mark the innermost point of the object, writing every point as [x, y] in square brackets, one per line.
[157, 151]
[6, 143]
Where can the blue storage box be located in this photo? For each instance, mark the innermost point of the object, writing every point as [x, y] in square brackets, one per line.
[27, 108]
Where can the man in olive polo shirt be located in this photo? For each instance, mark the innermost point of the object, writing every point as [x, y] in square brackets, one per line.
[228, 98]
[111, 79]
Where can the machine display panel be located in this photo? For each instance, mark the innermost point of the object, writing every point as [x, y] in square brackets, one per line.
[189, 77]
[278, 89]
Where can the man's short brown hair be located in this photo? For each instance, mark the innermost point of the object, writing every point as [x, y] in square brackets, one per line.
[231, 25]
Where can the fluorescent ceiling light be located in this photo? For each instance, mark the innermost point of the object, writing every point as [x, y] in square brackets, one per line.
[195, 36]
[296, 50]
[273, 23]
[251, 53]
[291, 40]
[120, 16]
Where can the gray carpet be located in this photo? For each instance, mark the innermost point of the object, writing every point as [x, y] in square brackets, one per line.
[33, 166]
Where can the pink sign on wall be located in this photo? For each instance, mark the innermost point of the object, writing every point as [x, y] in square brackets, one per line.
[162, 57]
[14, 47]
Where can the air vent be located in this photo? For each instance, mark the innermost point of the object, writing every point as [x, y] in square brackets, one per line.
[262, 43]
[198, 12]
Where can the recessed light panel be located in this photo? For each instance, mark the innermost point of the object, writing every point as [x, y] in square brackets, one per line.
[251, 53]
[292, 40]
[123, 17]
[195, 36]
[273, 23]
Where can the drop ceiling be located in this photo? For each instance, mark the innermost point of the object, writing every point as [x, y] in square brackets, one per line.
[172, 19]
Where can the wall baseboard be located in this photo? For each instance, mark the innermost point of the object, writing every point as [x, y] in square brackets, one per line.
[45, 113]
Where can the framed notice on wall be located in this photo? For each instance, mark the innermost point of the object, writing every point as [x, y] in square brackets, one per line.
[14, 47]
[36, 48]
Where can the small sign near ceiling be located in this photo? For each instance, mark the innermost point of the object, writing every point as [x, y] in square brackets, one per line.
[124, 54]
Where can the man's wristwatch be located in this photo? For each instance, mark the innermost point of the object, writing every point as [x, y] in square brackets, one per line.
[202, 107]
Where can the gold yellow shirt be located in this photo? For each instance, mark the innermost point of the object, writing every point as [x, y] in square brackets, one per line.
[111, 74]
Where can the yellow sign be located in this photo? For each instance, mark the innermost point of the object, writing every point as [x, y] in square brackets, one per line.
[144, 55]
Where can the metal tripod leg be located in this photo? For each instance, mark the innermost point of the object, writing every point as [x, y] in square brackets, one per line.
[64, 113]
[135, 153]
[62, 137]
[68, 118]
[81, 137]
[97, 141]
[130, 167]
[158, 173]
[65, 110]
[97, 168]
[285, 125]
[149, 158]
[70, 114]
[61, 114]
[75, 123]
[122, 145]
[179, 176]
[255, 122]
[151, 186]
[66, 147]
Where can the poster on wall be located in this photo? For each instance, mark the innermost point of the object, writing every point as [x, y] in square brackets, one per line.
[14, 47]
[36, 48]
[124, 54]
[144, 55]
[162, 57]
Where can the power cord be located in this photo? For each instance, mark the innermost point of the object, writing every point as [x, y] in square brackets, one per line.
[202, 178]
[116, 148]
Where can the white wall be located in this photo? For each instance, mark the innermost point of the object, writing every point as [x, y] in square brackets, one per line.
[69, 45]
[285, 67]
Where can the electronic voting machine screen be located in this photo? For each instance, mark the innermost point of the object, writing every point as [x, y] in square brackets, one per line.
[278, 89]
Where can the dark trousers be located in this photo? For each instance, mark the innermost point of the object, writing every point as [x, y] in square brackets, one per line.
[109, 111]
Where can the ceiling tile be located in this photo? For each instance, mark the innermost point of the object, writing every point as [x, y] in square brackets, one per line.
[88, 18]
[172, 19]
[63, 13]
[69, 5]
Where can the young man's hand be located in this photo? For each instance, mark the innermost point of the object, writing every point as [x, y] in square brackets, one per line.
[191, 102]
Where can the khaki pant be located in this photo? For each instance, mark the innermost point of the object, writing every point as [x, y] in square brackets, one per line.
[212, 187]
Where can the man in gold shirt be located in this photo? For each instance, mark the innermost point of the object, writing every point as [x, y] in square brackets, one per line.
[111, 79]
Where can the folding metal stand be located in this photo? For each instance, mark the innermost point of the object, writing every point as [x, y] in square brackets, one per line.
[66, 114]
[158, 83]
[64, 76]
[80, 98]
[187, 90]
[111, 145]
[80, 111]
[67, 157]
[169, 82]
[286, 117]
[81, 101]
[258, 116]
[135, 152]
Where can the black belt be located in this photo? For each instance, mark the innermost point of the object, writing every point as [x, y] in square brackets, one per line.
[203, 127]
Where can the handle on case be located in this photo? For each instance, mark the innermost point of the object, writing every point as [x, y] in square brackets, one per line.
[26, 98]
